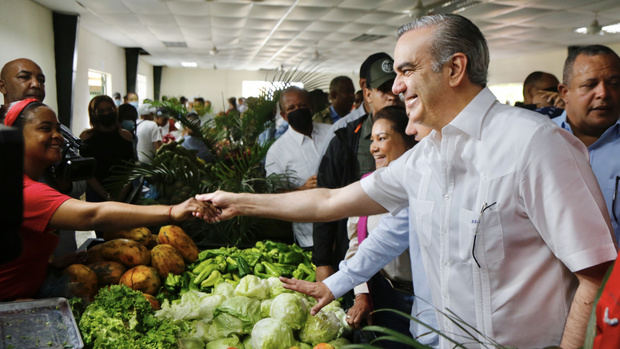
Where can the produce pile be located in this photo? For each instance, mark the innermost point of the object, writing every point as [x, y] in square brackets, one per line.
[229, 264]
[216, 298]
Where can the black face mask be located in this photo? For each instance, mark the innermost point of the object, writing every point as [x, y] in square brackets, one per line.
[301, 120]
[107, 119]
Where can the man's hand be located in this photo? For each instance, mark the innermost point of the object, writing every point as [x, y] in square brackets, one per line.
[223, 204]
[317, 290]
[192, 208]
[553, 98]
[360, 310]
[310, 183]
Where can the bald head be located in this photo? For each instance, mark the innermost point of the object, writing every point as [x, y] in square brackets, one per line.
[20, 79]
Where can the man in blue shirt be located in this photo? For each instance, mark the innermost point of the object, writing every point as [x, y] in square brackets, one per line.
[591, 91]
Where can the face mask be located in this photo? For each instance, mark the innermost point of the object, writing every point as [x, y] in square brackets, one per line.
[107, 119]
[117, 102]
[135, 104]
[301, 120]
[128, 125]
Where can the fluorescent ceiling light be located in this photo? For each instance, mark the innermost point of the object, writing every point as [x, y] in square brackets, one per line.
[189, 64]
[611, 29]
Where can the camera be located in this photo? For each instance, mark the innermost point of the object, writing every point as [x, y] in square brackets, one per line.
[73, 166]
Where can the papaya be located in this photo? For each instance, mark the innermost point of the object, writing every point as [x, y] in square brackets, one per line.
[166, 259]
[142, 278]
[108, 272]
[125, 251]
[81, 281]
[141, 235]
[151, 241]
[154, 302]
[175, 236]
[94, 254]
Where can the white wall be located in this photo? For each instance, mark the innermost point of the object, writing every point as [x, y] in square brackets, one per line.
[217, 85]
[146, 69]
[98, 54]
[516, 69]
[26, 31]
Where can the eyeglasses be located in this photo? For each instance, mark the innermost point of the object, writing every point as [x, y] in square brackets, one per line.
[614, 199]
[485, 207]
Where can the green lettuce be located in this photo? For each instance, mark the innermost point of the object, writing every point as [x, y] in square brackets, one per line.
[244, 308]
[271, 333]
[193, 305]
[289, 308]
[253, 286]
[322, 327]
[225, 343]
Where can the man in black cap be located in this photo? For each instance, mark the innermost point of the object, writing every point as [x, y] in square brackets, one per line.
[348, 156]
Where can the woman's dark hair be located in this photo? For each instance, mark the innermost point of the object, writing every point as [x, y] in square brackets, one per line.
[92, 107]
[397, 116]
[127, 112]
[233, 102]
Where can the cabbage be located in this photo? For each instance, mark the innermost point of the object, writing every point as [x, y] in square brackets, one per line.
[222, 326]
[302, 345]
[253, 286]
[275, 286]
[192, 305]
[265, 308]
[224, 289]
[244, 308]
[289, 308]
[323, 327]
[271, 333]
[225, 343]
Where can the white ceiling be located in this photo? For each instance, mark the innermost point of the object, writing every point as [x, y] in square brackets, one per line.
[274, 33]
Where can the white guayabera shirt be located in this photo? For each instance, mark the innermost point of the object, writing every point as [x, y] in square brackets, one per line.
[506, 209]
[300, 154]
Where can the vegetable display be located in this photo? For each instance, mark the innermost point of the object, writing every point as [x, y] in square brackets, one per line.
[227, 298]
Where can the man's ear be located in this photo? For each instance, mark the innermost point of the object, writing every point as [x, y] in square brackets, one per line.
[367, 94]
[457, 66]
[2, 87]
[563, 91]
[283, 115]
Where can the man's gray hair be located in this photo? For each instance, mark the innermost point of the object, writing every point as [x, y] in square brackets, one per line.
[454, 34]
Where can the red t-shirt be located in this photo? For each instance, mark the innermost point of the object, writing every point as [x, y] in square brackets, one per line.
[608, 313]
[22, 277]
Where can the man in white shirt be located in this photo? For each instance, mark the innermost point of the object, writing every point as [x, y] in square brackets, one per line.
[298, 151]
[513, 229]
[147, 133]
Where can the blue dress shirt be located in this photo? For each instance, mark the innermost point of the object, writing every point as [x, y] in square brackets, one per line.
[605, 162]
[387, 241]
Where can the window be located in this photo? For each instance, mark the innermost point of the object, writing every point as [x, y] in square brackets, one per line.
[141, 87]
[508, 93]
[255, 88]
[99, 83]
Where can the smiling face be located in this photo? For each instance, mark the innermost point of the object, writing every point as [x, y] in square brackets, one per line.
[386, 144]
[42, 138]
[592, 95]
[421, 87]
[21, 79]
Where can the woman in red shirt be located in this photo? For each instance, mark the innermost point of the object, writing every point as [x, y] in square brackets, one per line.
[45, 209]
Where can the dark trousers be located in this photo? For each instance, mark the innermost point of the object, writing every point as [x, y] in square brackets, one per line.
[383, 297]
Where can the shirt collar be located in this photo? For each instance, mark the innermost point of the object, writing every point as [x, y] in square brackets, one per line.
[470, 119]
[561, 120]
[299, 138]
[333, 114]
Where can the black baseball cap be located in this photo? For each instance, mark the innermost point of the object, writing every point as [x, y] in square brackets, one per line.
[377, 69]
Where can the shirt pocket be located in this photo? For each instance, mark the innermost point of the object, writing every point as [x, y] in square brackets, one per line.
[423, 214]
[489, 242]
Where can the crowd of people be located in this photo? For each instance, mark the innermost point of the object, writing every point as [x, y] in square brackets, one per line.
[420, 192]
